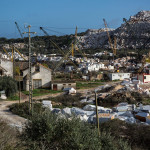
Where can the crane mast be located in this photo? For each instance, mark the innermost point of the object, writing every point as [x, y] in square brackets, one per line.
[115, 46]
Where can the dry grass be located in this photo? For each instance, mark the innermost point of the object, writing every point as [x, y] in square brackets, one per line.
[8, 137]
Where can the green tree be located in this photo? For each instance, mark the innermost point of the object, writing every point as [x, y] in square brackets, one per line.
[8, 84]
[47, 131]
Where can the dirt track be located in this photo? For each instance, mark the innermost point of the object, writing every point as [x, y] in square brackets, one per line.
[17, 121]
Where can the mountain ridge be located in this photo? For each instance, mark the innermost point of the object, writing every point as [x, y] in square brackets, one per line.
[133, 34]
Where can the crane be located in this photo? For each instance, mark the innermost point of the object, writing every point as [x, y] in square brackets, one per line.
[20, 54]
[72, 50]
[6, 53]
[73, 45]
[110, 42]
[76, 42]
[65, 55]
[41, 28]
[19, 29]
[109, 39]
[115, 46]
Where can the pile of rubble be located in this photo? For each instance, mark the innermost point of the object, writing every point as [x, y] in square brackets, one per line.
[136, 86]
[123, 111]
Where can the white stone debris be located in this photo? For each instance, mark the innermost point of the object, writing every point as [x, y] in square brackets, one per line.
[93, 108]
[69, 90]
[83, 117]
[66, 111]
[123, 111]
[3, 95]
[83, 100]
[47, 104]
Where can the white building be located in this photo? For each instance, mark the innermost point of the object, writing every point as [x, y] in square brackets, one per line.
[118, 76]
[41, 77]
[145, 78]
[8, 66]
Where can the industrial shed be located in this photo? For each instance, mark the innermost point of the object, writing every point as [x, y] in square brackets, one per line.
[60, 85]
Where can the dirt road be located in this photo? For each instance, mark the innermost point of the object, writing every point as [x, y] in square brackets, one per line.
[17, 121]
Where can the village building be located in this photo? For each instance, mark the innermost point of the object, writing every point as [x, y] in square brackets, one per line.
[41, 75]
[6, 67]
[118, 76]
[145, 78]
[60, 85]
[3, 71]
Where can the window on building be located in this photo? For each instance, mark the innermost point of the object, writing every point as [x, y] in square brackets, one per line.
[144, 77]
[37, 68]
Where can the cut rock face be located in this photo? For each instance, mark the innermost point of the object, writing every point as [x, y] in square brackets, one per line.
[135, 33]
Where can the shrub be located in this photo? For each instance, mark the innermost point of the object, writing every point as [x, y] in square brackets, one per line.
[47, 131]
[22, 109]
[9, 85]
[69, 100]
[7, 137]
[136, 135]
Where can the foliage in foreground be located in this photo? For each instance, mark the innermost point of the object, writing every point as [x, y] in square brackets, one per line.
[9, 85]
[22, 109]
[47, 131]
[118, 97]
[68, 101]
[7, 137]
[136, 135]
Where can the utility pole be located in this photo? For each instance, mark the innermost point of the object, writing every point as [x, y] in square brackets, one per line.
[13, 60]
[30, 71]
[97, 117]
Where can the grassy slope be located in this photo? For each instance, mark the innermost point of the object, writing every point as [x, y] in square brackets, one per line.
[87, 85]
[39, 92]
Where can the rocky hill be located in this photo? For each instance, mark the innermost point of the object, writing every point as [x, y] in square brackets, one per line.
[132, 34]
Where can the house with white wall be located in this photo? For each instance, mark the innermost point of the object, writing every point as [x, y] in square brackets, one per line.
[60, 85]
[145, 78]
[41, 77]
[118, 76]
[7, 65]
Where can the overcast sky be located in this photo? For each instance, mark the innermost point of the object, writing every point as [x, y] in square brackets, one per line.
[62, 16]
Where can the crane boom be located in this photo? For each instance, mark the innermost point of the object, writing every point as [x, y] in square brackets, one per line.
[65, 55]
[19, 30]
[20, 54]
[7, 53]
[114, 48]
[41, 28]
[110, 42]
